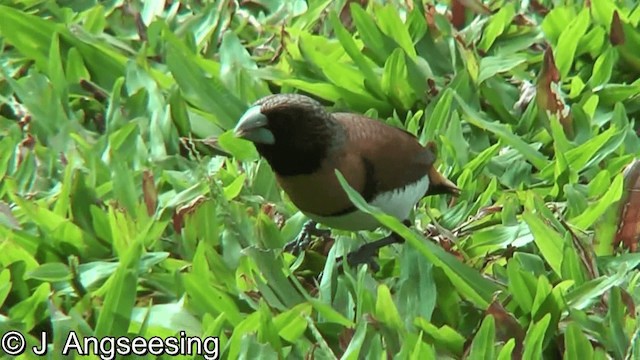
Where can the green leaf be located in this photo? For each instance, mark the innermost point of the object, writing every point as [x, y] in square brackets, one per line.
[375, 40]
[355, 345]
[572, 266]
[522, 285]
[585, 154]
[5, 285]
[603, 11]
[58, 228]
[395, 70]
[588, 293]
[56, 72]
[232, 190]
[31, 310]
[237, 70]
[612, 93]
[267, 332]
[390, 23]
[593, 213]
[504, 133]
[247, 326]
[443, 337]
[350, 47]
[493, 65]
[211, 95]
[292, 323]
[548, 241]
[29, 33]
[603, 68]
[506, 352]
[115, 314]
[577, 345]
[616, 323]
[209, 298]
[438, 117]
[275, 277]
[386, 310]
[50, 272]
[468, 282]
[535, 338]
[568, 42]
[331, 315]
[496, 26]
[483, 346]
[241, 149]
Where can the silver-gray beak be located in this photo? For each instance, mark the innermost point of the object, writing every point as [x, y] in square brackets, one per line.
[252, 127]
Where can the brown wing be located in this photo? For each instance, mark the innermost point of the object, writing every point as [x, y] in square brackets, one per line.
[373, 157]
[396, 156]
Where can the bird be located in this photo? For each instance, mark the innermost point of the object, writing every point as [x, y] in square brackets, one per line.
[304, 144]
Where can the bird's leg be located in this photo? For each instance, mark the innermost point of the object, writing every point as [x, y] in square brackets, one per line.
[366, 253]
[303, 240]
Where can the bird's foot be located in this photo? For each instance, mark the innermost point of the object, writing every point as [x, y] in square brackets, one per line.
[367, 253]
[303, 240]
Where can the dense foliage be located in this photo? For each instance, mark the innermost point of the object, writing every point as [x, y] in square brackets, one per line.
[127, 207]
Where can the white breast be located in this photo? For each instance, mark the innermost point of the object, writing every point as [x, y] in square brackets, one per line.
[397, 203]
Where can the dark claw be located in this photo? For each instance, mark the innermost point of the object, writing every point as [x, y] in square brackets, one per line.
[367, 253]
[303, 240]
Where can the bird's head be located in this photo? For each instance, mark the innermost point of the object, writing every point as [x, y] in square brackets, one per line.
[280, 119]
[289, 129]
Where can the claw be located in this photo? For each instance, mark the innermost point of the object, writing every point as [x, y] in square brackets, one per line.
[303, 240]
[367, 253]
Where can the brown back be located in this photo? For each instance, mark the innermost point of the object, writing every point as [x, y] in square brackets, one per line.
[373, 157]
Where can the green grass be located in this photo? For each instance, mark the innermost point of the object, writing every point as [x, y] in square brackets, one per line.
[127, 208]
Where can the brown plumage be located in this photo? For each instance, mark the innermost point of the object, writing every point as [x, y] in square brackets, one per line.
[304, 144]
[373, 157]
